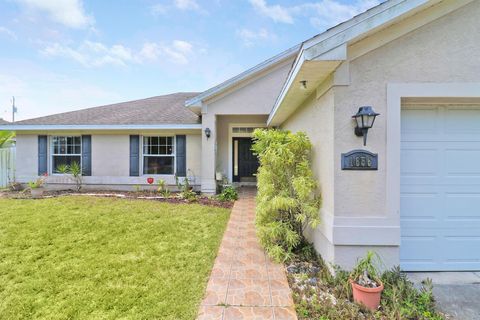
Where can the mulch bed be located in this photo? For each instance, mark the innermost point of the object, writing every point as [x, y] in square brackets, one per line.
[175, 198]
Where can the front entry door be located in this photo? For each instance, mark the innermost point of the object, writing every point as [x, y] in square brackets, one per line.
[245, 163]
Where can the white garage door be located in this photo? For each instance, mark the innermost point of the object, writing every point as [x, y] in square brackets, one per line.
[440, 188]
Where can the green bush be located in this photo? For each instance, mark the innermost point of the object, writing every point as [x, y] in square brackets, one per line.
[229, 193]
[287, 202]
[320, 294]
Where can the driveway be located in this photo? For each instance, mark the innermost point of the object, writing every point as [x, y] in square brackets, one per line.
[456, 293]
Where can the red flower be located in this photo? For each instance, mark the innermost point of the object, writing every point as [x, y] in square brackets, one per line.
[150, 180]
[45, 174]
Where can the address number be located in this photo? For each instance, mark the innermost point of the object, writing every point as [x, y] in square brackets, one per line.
[359, 160]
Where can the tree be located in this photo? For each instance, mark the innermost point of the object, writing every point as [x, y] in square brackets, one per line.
[287, 199]
[6, 138]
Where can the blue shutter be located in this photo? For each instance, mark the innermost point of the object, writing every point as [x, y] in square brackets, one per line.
[87, 155]
[42, 155]
[181, 154]
[135, 156]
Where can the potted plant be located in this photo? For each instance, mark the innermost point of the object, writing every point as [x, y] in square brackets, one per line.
[36, 187]
[365, 281]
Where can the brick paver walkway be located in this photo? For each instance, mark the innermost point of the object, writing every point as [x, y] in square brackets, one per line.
[245, 283]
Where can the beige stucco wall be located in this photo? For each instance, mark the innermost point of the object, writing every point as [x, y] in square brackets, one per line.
[194, 157]
[443, 51]
[110, 161]
[26, 157]
[253, 97]
[110, 155]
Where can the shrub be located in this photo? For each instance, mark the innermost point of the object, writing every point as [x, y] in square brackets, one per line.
[229, 193]
[185, 189]
[319, 294]
[163, 189]
[287, 202]
[75, 171]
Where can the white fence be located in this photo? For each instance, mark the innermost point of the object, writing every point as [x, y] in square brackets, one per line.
[7, 166]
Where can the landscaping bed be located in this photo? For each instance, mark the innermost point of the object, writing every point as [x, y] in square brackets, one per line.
[318, 294]
[84, 257]
[141, 195]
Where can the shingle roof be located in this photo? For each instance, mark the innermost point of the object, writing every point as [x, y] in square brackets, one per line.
[4, 121]
[167, 109]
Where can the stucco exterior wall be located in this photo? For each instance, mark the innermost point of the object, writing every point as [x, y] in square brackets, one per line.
[110, 155]
[194, 157]
[26, 157]
[253, 97]
[315, 118]
[356, 218]
[110, 162]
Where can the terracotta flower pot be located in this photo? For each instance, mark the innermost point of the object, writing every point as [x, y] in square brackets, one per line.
[369, 297]
[37, 193]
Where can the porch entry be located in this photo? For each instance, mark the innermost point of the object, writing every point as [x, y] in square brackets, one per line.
[245, 163]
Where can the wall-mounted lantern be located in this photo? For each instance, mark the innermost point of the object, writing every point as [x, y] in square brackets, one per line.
[208, 132]
[364, 118]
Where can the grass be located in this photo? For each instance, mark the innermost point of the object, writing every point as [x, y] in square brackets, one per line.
[104, 258]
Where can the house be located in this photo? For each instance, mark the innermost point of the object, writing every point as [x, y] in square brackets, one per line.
[3, 121]
[416, 62]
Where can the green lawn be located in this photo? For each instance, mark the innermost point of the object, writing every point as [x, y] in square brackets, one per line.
[104, 258]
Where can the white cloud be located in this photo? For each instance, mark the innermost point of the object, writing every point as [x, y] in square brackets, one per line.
[8, 32]
[183, 5]
[322, 14]
[178, 51]
[186, 4]
[249, 37]
[96, 54]
[276, 12]
[67, 12]
[158, 9]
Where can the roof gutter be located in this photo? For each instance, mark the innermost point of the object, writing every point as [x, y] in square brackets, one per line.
[27, 127]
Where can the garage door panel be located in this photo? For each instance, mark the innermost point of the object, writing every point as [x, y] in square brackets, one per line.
[440, 189]
[462, 161]
[418, 206]
[413, 166]
[462, 120]
[421, 120]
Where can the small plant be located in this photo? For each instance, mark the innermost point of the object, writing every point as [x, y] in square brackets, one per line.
[366, 272]
[37, 183]
[137, 188]
[229, 193]
[186, 191]
[163, 189]
[365, 281]
[75, 171]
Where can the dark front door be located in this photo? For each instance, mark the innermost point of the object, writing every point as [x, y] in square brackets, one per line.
[245, 163]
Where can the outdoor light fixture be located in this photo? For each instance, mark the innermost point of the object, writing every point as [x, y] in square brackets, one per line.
[208, 132]
[364, 118]
[303, 84]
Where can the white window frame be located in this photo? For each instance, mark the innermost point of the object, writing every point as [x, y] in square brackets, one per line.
[52, 154]
[174, 155]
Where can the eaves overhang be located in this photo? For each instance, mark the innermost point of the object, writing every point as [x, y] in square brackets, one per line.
[27, 127]
[319, 56]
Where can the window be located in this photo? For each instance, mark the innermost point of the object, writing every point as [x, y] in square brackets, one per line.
[158, 155]
[243, 129]
[65, 151]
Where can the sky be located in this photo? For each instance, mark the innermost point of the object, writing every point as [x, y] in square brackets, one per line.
[63, 55]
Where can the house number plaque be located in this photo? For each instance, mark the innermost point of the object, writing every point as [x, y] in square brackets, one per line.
[359, 160]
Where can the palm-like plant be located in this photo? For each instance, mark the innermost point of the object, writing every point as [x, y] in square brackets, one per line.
[6, 138]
